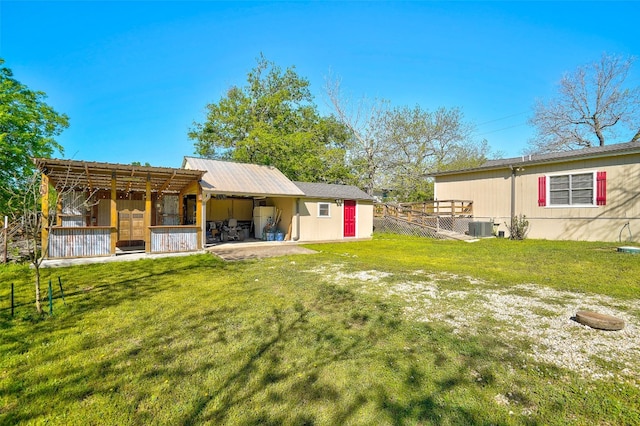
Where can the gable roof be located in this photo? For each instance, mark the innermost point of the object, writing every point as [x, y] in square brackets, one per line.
[327, 190]
[553, 157]
[226, 177]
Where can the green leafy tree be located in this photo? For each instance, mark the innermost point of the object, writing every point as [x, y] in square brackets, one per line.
[272, 120]
[27, 129]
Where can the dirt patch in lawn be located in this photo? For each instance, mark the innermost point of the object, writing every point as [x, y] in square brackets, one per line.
[519, 313]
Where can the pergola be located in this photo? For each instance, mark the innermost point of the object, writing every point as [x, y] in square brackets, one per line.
[146, 182]
[72, 174]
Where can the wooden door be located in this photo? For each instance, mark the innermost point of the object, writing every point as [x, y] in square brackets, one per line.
[124, 225]
[137, 225]
[349, 218]
[130, 225]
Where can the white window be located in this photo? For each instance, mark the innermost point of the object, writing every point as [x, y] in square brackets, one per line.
[571, 190]
[323, 210]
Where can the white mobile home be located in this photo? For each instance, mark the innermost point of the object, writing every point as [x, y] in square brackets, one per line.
[590, 194]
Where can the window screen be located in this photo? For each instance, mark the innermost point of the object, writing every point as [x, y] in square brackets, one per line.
[323, 209]
[571, 189]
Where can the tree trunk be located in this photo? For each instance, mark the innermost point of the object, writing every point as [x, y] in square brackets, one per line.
[598, 129]
[38, 306]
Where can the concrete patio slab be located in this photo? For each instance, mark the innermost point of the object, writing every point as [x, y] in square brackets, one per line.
[257, 250]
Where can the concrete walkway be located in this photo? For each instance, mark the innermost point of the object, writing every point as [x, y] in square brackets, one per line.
[226, 251]
[129, 257]
[451, 235]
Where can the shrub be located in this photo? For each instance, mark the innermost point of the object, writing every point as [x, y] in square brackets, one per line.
[518, 227]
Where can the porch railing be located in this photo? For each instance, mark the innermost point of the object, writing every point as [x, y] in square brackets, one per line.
[86, 241]
[91, 241]
[177, 238]
[457, 208]
[435, 215]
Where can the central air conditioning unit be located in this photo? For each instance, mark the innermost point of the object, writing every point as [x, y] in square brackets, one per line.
[480, 229]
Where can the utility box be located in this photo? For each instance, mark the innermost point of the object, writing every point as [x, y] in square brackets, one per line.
[480, 229]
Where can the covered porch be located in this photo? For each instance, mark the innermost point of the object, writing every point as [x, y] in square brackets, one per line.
[103, 209]
[252, 196]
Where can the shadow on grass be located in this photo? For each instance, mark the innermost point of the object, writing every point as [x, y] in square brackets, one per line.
[103, 285]
[333, 358]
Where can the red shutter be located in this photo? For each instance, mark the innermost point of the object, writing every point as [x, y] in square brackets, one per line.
[601, 188]
[542, 191]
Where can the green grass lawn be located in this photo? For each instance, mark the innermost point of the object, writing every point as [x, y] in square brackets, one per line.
[396, 331]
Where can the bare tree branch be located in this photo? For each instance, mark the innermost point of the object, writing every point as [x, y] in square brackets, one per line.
[369, 150]
[593, 107]
[27, 209]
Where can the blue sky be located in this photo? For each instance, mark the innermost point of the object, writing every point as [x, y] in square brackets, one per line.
[134, 76]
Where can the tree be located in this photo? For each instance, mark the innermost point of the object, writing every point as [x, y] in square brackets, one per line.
[27, 129]
[27, 209]
[368, 149]
[272, 121]
[395, 148]
[593, 106]
[24, 205]
[424, 142]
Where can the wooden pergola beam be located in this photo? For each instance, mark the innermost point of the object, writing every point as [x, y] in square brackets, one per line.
[133, 171]
[166, 184]
[89, 183]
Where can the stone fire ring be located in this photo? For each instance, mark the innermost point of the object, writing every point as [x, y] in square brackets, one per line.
[599, 321]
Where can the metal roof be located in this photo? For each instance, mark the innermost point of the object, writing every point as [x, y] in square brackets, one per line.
[226, 177]
[93, 175]
[554, 157]
[327, 190]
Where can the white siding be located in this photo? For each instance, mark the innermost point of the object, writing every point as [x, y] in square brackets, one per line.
[491, 195]
[314, 228]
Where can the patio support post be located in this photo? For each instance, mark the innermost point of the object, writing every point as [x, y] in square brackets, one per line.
[44, 191]
[199, 215]
[58, 211]
[205, 201]
[147, 216]
[513, 195]
[114, 214]
[453, 215]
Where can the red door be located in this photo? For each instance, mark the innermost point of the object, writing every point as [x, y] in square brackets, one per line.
[349, 218]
